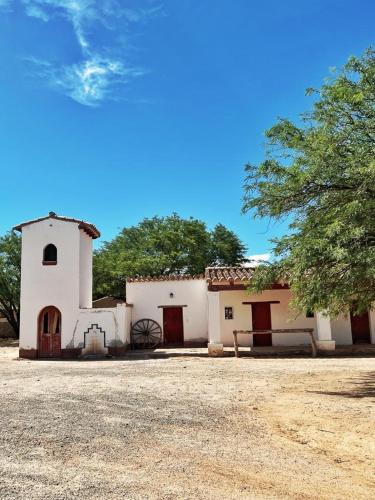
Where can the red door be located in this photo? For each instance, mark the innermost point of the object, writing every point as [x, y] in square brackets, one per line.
[360, 328]
[261, 315]
[173, 326]
[49, 334]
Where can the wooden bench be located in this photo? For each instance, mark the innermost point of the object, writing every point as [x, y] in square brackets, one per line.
[310, 331]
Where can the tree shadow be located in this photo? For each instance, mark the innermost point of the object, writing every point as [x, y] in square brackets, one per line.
[8, 342]
[362, 387]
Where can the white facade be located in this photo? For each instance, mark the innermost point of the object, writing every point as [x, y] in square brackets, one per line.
[209, 308]
[281, 317]
[204, 313]
[57, 285]
[85, 270]
[65, 285]
[149, 298]
[342, 332]
[112, 323]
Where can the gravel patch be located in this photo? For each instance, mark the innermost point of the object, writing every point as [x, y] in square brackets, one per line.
[187, 427]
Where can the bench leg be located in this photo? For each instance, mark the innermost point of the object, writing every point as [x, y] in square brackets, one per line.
[314, 347]
[235, 342]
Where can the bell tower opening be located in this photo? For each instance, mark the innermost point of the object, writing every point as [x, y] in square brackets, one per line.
[50, 255]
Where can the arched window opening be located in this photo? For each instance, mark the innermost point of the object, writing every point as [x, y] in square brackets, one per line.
[50, 320]
[50, 255]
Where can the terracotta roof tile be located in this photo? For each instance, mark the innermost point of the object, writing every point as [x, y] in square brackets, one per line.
[89, 228]
[231, 274]
[165, 277]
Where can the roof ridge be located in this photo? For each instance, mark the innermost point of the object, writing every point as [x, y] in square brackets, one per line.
[229, 273]
[238, 266]
[164, 277]
[89, 228]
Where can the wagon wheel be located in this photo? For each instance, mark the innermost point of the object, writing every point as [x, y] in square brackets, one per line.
[146, 333]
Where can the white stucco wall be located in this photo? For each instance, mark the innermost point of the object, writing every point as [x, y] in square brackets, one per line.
[85, 270]
[342, 331]
[372, 325]
[43, 286]
[281, 317]
[147, 296]
[114, 322]
[214, 323]
[67, 286]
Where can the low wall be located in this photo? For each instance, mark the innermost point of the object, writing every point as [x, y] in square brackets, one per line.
[6, 331]
[100, 331]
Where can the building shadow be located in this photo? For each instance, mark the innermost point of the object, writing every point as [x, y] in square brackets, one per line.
[275, 352]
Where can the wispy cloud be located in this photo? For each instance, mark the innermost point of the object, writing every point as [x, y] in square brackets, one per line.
[100, 71]
[92, 80]
[34, 10]
[255, 260]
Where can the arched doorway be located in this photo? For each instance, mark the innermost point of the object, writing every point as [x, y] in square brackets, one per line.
[49, 333]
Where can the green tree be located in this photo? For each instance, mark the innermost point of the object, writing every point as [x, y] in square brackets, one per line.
[226, 247]
[10, 279]
[320, 175]
[162, 245]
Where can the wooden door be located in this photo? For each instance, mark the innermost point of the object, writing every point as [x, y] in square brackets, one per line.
[360, 328]
[261, 316]
[49, 345]
[173, 326]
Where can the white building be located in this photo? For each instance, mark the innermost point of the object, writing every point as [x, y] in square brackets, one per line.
[57, 318]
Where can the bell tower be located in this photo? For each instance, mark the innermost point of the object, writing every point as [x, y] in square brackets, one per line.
[56, 282]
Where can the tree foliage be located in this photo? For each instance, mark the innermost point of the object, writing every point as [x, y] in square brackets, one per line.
[10, 279]
[226, 249]
[163, 245]
[320, 175]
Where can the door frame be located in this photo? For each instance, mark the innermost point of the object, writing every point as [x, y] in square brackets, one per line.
[351, 316]
[265, 336]
[182, 323]
[40, 332]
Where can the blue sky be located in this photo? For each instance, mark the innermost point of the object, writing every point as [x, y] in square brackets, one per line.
[114, 110]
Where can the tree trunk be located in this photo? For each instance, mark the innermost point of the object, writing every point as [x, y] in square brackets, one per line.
[13, 318]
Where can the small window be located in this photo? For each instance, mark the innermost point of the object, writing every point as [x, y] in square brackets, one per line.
[228, 313]
[50, 255]
[309, 313]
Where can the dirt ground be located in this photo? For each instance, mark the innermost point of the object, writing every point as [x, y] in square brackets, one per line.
[187, 427]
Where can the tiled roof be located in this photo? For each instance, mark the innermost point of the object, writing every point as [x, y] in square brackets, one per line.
[231, 274]
[212, 274]
[165, 277]
[89, 228]
[107, 302]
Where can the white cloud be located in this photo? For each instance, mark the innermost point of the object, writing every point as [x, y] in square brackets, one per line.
[93, 78]
[35, 11]
[91, 81]
[82, 14]
[255, 260]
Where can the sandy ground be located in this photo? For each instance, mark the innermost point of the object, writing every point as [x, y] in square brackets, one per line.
[187, 427]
